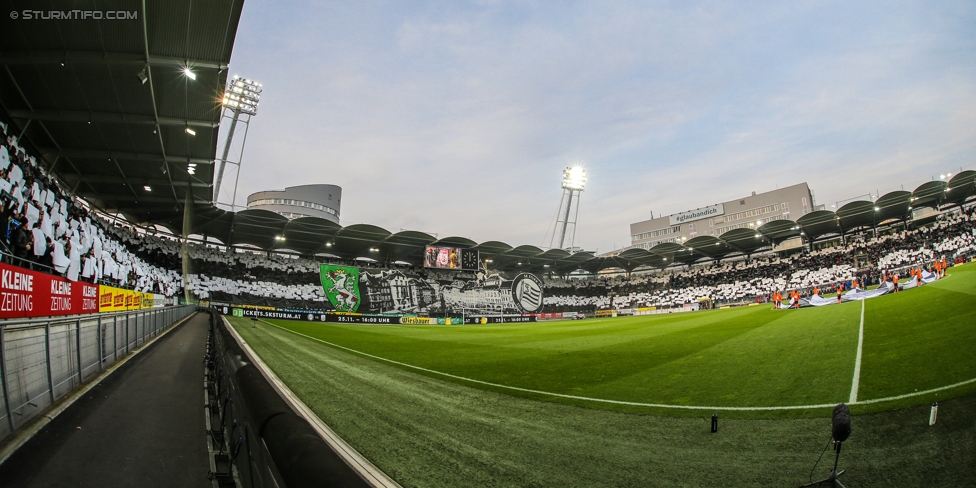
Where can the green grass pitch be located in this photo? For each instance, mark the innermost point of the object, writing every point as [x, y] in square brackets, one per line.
[916, 340]
[427, 429]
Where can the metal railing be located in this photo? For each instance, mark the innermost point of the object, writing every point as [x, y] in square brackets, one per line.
[41, 360]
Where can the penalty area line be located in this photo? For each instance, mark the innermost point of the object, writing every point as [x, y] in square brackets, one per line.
[614, 402]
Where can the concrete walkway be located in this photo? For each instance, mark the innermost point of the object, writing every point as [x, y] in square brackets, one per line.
[143, 425]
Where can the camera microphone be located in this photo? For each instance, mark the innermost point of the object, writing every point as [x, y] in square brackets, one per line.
[842, 422]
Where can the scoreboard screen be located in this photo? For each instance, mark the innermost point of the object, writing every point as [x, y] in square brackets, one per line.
[438, 257]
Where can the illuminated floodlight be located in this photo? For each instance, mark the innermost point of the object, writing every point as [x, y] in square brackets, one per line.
[189, 74]
[574, 178]
[243, 95]
[147, 188]
[191, 131]
[279, 238]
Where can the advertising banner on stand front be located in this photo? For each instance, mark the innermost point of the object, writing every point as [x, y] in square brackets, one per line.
[26, 293]
[112, 299]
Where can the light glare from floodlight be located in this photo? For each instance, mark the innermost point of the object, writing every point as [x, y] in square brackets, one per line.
[191, 131]
[189, 74]
[243, 95]
[574, 178]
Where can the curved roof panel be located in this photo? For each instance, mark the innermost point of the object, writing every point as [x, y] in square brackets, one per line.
[456, 241]
[745, 240]
[961, 187]
[554, 255]
[307, 235]
[407, 246]
[257, 228]
[666, 248]
[894, 205]
[524, 251]
[778, 231]
[819, 223]
[929, 194]
[490, 249]
[710, 246]
[357, 240]
[857, 214]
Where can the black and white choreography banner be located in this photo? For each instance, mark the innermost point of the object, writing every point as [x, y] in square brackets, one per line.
[395, 291]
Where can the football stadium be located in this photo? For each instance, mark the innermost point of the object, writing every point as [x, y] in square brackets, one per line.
[168, 318]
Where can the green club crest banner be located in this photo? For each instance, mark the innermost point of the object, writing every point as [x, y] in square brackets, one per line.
[341, 285]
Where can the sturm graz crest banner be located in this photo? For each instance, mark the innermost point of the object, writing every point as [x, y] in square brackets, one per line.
[425, 291]
[341, 285]
[527, 292]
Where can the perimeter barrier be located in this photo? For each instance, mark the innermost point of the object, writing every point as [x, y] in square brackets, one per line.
[43, 359]
[254, 435]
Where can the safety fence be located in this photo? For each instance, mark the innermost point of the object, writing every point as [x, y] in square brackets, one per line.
[43, 359]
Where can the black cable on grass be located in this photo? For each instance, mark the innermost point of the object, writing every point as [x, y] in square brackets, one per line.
[810, 479]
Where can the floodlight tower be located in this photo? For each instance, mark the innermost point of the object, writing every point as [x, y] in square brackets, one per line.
[574, 179]
[240, 104]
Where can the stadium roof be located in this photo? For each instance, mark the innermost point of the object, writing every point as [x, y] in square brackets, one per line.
[75, 89]
[960, 187]
[894, 205]
[313, 235]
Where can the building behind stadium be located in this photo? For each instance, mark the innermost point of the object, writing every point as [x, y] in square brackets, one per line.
[300, 201]
[752, 211]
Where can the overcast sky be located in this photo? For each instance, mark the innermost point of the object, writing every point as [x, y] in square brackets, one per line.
[457, 118]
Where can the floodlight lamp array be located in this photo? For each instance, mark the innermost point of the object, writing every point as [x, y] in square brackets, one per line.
[243, 95]
[574, 178]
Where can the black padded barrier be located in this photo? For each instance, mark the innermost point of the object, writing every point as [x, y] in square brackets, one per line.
[262, 401]
[302, 457]
[268, 443]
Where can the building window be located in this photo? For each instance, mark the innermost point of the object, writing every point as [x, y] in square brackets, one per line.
[657, 233]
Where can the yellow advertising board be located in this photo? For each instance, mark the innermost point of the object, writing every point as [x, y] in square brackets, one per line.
[112, 299]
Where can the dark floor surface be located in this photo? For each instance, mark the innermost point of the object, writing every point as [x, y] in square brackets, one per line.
[143, 425]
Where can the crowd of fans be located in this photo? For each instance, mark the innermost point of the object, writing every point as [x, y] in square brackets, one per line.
[46, 229]
[867, 260]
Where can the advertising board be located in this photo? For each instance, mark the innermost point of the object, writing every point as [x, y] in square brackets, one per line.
[26, 293]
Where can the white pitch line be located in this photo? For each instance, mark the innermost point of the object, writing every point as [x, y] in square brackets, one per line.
[857, 361]
[619, 402]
